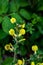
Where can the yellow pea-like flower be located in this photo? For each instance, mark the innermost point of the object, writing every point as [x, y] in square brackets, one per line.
[34, 48]
[7, 46]
[13, 20]
[11, 32]
[20, 62]
[22, 31]
[32, 63]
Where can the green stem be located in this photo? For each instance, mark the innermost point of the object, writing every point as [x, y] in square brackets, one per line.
[14, 60]
[7, 14]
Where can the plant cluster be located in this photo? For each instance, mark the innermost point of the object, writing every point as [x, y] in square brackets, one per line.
[21, 32]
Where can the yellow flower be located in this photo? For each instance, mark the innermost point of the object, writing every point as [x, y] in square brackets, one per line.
[34, 48]
[38, 64]
[11, 32]
[7, 47]
[19, 62]
[32, 63]
[13, 20]
[22, 31]
[23, 25]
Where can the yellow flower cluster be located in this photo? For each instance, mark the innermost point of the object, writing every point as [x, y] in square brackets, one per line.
[21, 31]
[33, 63]
[9, 47]
[34, 48]
[12, 32]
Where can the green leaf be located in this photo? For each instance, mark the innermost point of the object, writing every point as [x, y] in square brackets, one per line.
[22, 3]
[0, 57]
[18, 18]
[3, 6]
[4, 41]
[22, 48]
[0, 54]
[14, 6]
[35, 35]
[2, 34]
[40, 29]
[40, 25]
[7, 25]
[8, 61]
[40, 5]
[40, 8]
[25, 14]
[1, 19]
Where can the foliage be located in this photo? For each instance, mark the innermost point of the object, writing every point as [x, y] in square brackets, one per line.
[29, 18]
